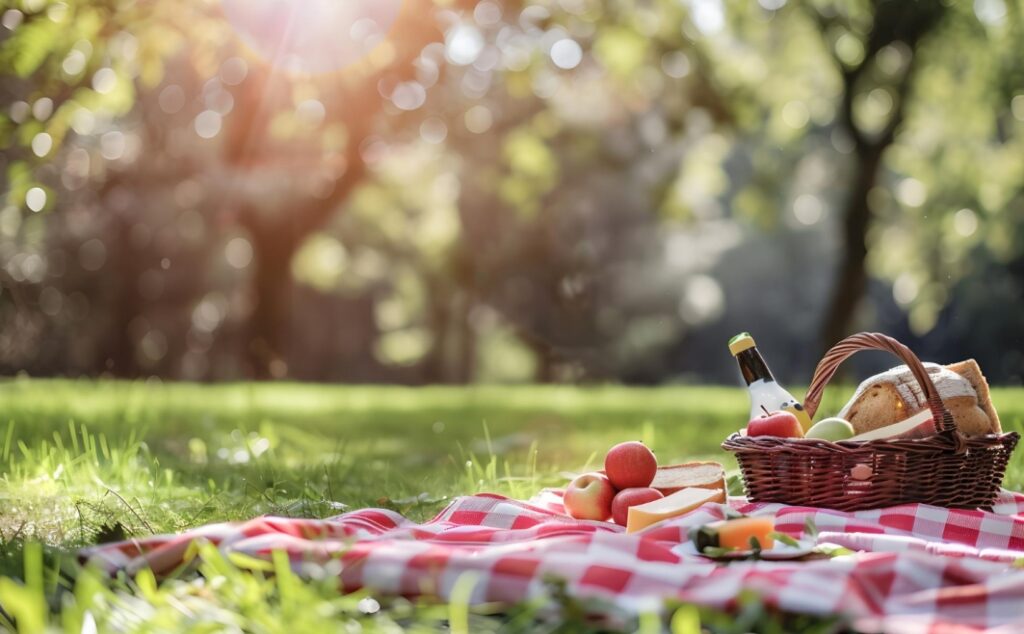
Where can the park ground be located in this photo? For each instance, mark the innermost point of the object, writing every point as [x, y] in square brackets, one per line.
[85, 462]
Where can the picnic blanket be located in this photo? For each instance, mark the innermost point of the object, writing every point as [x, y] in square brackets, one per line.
[917, 568]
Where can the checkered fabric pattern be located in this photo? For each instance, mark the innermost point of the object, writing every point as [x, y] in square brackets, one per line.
[915, 569]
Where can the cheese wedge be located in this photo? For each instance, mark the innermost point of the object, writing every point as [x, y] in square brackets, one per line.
[679, 503]
[706, 475]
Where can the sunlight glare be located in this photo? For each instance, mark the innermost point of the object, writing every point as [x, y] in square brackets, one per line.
[315, 36]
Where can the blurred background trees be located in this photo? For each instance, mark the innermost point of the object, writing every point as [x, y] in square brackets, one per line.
[483, 190]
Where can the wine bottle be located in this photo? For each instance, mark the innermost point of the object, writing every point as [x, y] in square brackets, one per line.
[765, 392]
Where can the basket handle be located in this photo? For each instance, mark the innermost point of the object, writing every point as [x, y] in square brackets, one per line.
[877, 341]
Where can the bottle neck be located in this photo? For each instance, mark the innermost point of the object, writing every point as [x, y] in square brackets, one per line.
[753, 367]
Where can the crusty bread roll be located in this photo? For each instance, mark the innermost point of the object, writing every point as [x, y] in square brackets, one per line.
[894, 395]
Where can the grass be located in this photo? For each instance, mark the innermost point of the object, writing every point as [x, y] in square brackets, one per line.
[84, 462]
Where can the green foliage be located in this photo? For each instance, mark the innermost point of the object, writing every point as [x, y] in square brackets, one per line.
[81, 56]
[621, 50]
[533, 171]
[31, 44]
[699, 112]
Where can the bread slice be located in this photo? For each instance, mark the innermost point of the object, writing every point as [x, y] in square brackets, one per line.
[704, 475]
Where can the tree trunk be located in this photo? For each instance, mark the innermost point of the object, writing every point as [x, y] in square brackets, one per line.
[851, 276]
[544, 353]
[465, 368]
[440, 313]
[893, 22]
[269, 322]
[120, 358]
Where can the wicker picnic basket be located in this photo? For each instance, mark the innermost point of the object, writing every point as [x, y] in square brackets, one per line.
[947, 469]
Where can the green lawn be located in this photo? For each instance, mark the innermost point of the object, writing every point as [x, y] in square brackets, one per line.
[88, 461]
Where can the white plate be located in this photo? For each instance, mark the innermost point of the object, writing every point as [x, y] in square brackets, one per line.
[778, 552]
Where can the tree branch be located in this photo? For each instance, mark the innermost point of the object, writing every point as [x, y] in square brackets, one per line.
[888, 133]
[849, 75]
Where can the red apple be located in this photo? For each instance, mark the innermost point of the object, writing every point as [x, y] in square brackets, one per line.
[782, 424]
[630, 464]
[631, 497]
[589, 497]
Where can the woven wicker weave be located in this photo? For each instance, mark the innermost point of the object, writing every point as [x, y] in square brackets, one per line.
[946, 469]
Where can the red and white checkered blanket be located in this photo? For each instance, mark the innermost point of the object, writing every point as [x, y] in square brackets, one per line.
[917, 568]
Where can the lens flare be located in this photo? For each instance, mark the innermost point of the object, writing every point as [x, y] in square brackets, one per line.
[312, 36]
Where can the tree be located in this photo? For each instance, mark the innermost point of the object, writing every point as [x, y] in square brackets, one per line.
[350, 102]
[894, 28]
[544, 176]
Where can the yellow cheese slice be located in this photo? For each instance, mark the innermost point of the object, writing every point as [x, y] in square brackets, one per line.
[683, 501]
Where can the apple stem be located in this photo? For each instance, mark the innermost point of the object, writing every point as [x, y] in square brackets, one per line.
[766, 412]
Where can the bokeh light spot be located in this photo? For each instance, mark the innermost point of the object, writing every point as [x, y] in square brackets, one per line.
[795, 114]
[51, 301]
[74, 63]
[965, 222]
[172, 99]
[42, 143]
[83, 121]
[112, 145]
[57, 11]
[153, 346]
[238, 253]
[880, 102]
[808, 209]
[675, 64]
[566, 54]
[42, 109]
[1017, 107]
[487, 13]
[703, 300]
[234, 71]
[841, 141]
[209, 312]
[33, 268]
[320, 262]
[911, 192]
[217, 99]
[433, 130]
[990, 12]
[19, 111]
[104, 80]
[35, 198]
[92, 255]
[409, 95]
[478, 119]
[463, 44]
[849, 49]
[208, 124]
[905, 289]
[311, 112]
[11, 19]
[708, 15]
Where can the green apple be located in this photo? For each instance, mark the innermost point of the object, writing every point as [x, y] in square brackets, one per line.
[831, 429]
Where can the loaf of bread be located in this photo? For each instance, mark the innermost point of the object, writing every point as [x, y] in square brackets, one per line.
[893, 396]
